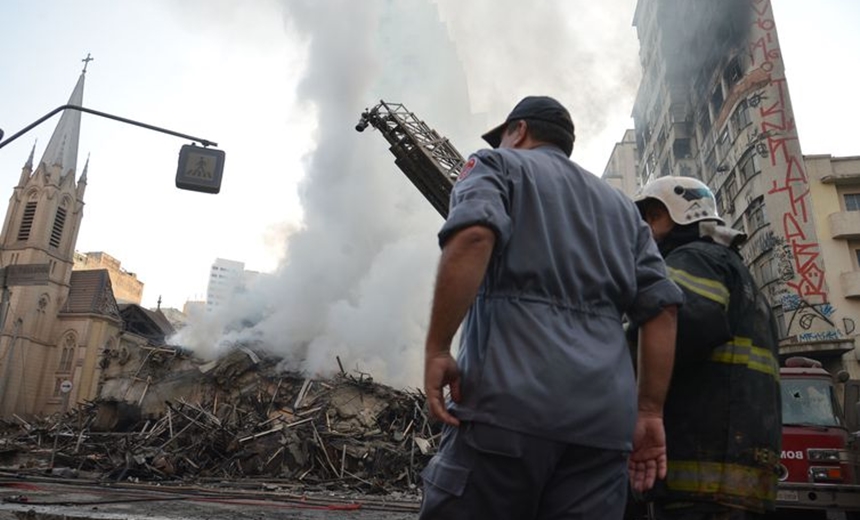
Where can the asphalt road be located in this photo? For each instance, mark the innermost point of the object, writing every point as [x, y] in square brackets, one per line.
[50, 500]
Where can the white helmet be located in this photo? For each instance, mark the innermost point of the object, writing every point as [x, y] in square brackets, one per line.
[688, 200]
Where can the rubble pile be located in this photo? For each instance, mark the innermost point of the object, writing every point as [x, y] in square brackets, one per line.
[244, 419]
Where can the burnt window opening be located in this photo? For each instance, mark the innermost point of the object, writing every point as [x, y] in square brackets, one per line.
[733, 72]
[57, 230]
[717, 99]
[27, 221]
[705, 123]
[681, 148]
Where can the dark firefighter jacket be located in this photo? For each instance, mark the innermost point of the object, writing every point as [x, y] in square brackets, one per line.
[722, 414]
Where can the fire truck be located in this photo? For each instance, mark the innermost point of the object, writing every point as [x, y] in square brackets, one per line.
[819, 472]
[820, 461]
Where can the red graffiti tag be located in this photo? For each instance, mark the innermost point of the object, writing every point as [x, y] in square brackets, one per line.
[778, 126]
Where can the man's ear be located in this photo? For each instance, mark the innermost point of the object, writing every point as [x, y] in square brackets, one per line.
[521, 132]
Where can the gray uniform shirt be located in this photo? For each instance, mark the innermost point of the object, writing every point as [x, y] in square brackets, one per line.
[542, 348]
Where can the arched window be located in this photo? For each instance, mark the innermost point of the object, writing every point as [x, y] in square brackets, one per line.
[67, 356]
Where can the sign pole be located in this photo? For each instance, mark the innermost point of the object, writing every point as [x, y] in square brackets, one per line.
[65, 388]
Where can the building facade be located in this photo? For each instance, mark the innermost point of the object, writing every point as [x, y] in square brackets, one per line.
[623, 163]
[226, 278]
[714, 104]
[126, 287]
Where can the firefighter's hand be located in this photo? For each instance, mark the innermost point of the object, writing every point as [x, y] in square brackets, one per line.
[648, 461]
[440, 370]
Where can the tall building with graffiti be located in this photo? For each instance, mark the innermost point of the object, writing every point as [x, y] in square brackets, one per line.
[714, 103]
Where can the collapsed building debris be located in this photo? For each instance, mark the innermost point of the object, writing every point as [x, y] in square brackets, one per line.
[161, 416]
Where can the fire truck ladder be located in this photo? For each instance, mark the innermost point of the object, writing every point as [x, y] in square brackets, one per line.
[430, 161]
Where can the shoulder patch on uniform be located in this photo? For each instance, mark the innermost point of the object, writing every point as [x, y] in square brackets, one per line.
[464, 171]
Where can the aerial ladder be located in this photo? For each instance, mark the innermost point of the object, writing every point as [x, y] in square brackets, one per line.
[429, 160]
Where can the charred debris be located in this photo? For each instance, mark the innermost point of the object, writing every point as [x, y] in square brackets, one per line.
[162, 416]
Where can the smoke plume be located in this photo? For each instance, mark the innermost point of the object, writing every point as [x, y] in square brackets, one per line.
[355, 283]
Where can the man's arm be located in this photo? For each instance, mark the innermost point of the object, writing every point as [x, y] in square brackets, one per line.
[462, 266]
[656, 354]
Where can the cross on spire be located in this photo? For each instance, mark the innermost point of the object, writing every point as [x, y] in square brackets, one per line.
[87, 61]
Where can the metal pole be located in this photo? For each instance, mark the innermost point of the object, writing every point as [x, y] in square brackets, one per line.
[204, 142]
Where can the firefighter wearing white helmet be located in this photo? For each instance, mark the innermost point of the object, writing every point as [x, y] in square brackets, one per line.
[722, 413]
[688, 200]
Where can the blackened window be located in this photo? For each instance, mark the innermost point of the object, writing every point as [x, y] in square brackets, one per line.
[733, 72]
[717, 99]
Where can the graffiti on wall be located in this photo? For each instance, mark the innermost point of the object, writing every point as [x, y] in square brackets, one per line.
[801, 266]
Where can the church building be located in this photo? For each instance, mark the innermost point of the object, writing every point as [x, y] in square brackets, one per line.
[55, 323]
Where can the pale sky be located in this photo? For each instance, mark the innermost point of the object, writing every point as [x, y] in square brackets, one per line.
[228, 71]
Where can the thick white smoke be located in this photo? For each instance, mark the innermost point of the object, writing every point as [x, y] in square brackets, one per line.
[356, 280]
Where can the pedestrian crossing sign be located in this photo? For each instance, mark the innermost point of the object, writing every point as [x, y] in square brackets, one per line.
[200, 169]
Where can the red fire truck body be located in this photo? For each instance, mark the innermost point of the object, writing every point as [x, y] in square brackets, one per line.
[819, 450]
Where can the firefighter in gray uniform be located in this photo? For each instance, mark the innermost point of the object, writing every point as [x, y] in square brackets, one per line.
[543, 259]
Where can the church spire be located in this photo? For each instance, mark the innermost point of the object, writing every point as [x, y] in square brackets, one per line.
[83, 178]
[62, 149]
[29, 163]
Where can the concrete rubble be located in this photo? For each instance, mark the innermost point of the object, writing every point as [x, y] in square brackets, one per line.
[166, 418]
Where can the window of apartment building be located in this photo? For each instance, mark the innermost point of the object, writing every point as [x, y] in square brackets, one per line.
[779, 314]
[731, 191]
[717, 99]
[710, 166]
[705, 123]
[681, 148]
[764, 270]
[749, 165]
[27, 221]
[733, 72]
[852, 201]
[857, 258]
[739, 225]
[756, 215]
[723, 142]
[741, 116]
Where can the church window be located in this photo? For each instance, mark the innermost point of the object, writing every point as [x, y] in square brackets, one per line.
[68, 355]
[27, 221]
[57, 231]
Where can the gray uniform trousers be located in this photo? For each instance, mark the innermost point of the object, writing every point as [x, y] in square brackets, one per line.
[482, 471]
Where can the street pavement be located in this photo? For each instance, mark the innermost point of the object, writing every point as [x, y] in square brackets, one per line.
[54, 499]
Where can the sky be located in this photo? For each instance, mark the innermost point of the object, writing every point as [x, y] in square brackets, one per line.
[280, 84]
